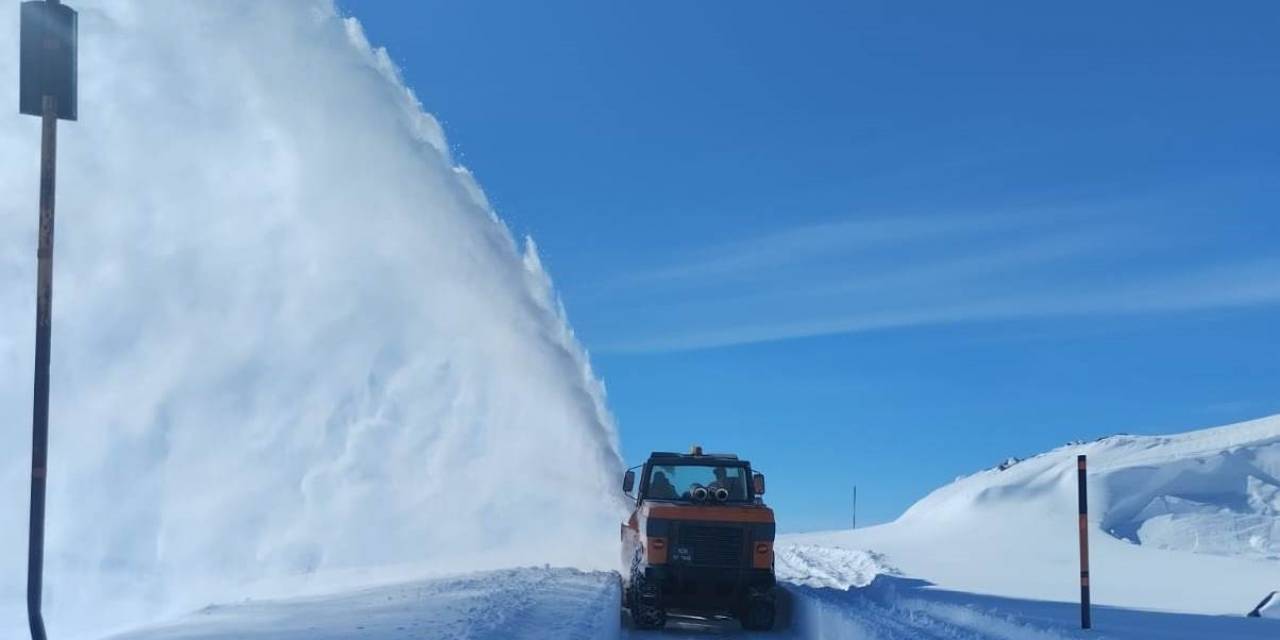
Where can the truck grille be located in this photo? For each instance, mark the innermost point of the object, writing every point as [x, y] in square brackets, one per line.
[709, 545]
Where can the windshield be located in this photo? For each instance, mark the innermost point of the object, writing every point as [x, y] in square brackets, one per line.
[679, 482]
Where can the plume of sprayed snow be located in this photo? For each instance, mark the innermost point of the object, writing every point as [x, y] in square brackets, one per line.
[290, 335]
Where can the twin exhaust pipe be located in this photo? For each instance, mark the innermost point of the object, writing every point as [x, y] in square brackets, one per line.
[702, 494]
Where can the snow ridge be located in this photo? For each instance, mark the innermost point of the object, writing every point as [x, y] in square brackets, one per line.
[1214, 491]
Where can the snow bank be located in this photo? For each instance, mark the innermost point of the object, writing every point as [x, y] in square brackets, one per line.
[828, 567]
[290, 335]
[1213, 491]
[1183, 523]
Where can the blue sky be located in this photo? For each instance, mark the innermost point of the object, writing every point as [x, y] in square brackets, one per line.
[873, 243]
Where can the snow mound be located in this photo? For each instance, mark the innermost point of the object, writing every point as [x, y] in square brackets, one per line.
[829, 567]
[1214, 491]
[1187, 523]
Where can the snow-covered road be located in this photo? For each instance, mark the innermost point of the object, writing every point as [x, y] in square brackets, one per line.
[576, 605]
[516, 603]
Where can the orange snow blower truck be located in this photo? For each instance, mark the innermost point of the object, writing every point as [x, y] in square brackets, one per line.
[699, 542]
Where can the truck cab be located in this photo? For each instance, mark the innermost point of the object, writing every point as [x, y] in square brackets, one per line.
[699, 541]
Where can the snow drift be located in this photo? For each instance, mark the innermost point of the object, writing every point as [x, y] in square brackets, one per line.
[827, 567]
[1187, 523]
[290, 334]
[1214, 491]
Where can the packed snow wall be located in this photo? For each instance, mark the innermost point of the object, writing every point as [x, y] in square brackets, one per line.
[290, 335]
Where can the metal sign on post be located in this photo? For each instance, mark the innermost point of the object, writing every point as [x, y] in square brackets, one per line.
[48, 58]
[47, 88]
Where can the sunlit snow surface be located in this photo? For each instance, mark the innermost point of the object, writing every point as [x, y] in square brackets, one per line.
[992, 556]
[542, 604]
[1179, 523]
[290, 334]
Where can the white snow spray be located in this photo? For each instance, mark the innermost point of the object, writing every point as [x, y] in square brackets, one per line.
[291, 337]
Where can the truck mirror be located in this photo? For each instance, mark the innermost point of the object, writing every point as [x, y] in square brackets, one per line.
[758, 481]
[628, 482]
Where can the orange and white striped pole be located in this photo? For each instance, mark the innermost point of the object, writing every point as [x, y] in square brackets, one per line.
[1083, 488]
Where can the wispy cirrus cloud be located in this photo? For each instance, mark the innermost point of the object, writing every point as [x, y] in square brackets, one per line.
[745, 258]
[884, 273]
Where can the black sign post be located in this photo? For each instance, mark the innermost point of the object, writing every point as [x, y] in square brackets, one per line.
[47, 88]
[1082, 489]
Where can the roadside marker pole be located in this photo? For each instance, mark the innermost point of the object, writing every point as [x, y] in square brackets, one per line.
[855, 506]
[1083, 489]
[47, 89]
